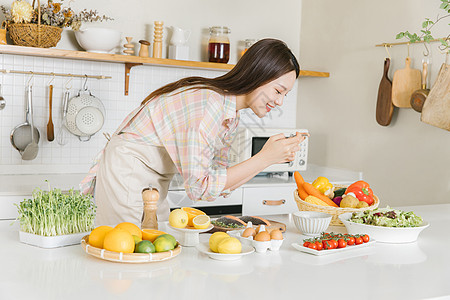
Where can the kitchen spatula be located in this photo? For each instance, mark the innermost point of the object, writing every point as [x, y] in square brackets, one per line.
[404, 83]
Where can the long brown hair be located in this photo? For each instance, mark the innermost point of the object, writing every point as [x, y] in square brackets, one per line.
[266, 60]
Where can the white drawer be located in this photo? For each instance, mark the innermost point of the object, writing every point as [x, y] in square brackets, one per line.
[268, 201]
[180, 199]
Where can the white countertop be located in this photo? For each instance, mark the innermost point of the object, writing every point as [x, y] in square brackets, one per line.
[384, 271]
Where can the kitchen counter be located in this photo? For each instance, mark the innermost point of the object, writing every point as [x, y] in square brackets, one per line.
[418, 270]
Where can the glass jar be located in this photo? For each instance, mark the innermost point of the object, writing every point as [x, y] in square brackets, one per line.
[219, 44]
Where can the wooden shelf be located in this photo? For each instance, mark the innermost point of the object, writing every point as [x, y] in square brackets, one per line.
[128, 60]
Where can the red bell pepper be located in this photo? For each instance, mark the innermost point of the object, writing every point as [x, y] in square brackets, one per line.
[362, 191]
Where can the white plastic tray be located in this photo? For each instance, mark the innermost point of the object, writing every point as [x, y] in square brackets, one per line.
[51, 241]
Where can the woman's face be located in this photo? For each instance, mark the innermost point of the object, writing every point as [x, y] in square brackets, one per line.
[268, 96]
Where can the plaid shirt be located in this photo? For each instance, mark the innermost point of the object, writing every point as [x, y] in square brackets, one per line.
[196, 127]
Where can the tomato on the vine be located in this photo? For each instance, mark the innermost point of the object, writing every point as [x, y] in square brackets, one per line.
[319, 245]
[365, 238]
[358, 240]
[351, 241]
[306, 244]
[342, 243]
[312, 246]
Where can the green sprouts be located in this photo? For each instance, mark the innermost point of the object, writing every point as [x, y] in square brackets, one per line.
[51, 213]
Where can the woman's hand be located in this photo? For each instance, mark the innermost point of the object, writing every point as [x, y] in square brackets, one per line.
[279, 149]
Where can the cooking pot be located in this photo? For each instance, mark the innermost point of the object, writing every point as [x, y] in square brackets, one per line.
[85, 115]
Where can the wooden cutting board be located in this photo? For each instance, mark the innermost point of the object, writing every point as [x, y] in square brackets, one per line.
[385, 108]
[436, 110]
[273, 225]
[404, 83]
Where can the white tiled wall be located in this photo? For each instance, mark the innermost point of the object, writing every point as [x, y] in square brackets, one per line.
[76, 156]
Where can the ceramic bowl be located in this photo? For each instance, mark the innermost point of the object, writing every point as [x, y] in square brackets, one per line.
[384, 234]
[99, 40]
[311, 223]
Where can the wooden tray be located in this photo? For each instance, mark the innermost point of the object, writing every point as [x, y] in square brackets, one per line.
[273, 225]
[128, 257]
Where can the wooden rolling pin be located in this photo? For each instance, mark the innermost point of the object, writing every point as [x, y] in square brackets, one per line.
[150, 198]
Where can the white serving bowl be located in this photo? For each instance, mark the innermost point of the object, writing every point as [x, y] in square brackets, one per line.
[384, 234]
[311, 222]
[99, 40]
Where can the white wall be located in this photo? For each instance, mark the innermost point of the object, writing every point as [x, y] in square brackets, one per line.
[407, 162]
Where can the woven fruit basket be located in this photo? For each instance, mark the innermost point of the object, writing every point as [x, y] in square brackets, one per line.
[34, 35]
[333, 211]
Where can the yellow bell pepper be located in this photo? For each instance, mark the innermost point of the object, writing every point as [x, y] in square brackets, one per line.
[322, 184]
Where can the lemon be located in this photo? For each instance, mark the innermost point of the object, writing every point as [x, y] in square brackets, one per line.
[97, 236]
[119, 240]
[163, 244]
[178, 218]
[215, 239]
[201, 222]
[145, 247]
[229, 245]
[169, 237]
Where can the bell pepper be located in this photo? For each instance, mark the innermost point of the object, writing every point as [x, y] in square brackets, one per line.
[362, 191]
[322, 184]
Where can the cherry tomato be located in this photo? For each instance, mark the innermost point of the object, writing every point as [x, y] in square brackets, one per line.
[319, 245]
[342, 243]
[358, 240]
[306, 244]
[365, 238]
[327, 245]
[351, 241]
[312, 246]
[334, 243]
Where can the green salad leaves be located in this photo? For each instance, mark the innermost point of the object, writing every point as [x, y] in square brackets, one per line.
[387, 217]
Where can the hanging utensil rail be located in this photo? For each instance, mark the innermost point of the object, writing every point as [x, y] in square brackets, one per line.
[406, 43]
[6, 71]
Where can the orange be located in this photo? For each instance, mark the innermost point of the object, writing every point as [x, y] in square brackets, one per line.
[131, 228]
[119, 240]
[192, 213]
[97, 236]
[151, 234]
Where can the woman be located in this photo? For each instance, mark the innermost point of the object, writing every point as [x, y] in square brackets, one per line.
[187, 127]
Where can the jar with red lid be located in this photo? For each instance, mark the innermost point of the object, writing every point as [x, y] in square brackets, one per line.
[219, 44]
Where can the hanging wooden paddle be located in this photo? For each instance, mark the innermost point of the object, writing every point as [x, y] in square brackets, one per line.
[385, 108]
[405, 82]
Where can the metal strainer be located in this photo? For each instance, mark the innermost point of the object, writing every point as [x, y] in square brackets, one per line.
[85, 115]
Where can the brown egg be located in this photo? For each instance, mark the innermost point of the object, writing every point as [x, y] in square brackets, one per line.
[265, 228]
[276, 234]
[249, 232]
[262, 236]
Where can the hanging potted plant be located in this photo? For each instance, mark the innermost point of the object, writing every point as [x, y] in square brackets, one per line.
[42, 26]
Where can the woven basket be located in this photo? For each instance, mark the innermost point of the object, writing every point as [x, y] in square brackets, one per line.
[35, 35]
[333, 211]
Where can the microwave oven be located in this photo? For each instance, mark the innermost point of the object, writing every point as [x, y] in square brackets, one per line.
[250, 140]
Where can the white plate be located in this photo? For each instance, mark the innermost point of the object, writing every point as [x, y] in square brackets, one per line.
[384, 234]
[332, 251]
[204, 248]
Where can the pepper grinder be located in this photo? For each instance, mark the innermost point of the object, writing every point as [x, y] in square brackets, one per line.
[150, 197]
[129, 46]
[143, 51]
[157, 39]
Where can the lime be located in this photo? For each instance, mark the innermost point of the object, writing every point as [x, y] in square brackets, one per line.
[169, 237]
[145, 247]
[163, 244]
